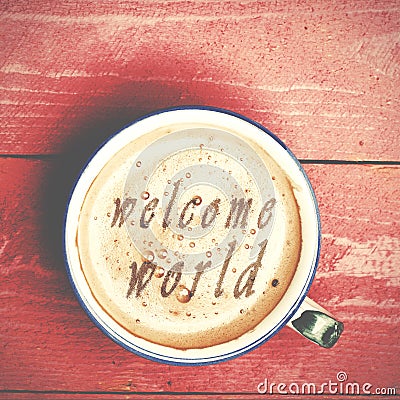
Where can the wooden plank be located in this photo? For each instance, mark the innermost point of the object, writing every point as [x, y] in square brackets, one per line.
[152, 396]
[323, 75]
[49, 344]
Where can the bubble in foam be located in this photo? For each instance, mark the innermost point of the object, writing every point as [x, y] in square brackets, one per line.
[180, 237]
[208, 254]
[159, 272]
[246, 246]
[275, 282]
[138, 321]
[144, 304]
[188, 175]
[138, 164]
[183, 294]
[145, 195]
[148, 255]
[162, 253]
[252, 231]
[188, 314]
[192, 244]
[197, 200]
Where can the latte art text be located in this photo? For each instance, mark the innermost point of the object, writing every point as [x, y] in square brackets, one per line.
[140, 278]
[237, 218]
[238, 215]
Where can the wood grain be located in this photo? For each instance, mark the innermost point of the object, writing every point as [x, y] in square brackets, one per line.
[325, 73]
[167, 395]
[44, 329]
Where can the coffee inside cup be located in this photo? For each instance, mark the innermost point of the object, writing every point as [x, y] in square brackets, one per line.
[190, 235]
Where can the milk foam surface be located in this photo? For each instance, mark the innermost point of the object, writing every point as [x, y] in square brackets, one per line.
[213, 313]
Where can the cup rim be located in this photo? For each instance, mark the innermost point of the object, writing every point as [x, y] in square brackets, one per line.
[154, 356]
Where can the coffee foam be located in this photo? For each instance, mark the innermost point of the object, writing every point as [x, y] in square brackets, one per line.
[203, 320]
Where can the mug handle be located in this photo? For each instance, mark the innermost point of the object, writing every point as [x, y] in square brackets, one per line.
[316, 324]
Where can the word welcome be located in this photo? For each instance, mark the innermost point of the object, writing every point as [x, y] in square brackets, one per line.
[237, 217]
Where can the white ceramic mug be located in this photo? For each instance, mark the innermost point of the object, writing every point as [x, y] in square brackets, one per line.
[293, 309]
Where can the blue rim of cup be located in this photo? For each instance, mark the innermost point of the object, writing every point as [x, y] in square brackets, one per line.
[238, 352]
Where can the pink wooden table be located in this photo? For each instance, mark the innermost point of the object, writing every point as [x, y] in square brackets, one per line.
[323, 75]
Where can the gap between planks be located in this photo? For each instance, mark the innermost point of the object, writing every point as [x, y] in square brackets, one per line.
[45, 157]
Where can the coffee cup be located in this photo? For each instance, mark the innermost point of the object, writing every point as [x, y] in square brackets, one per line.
[192, 236]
